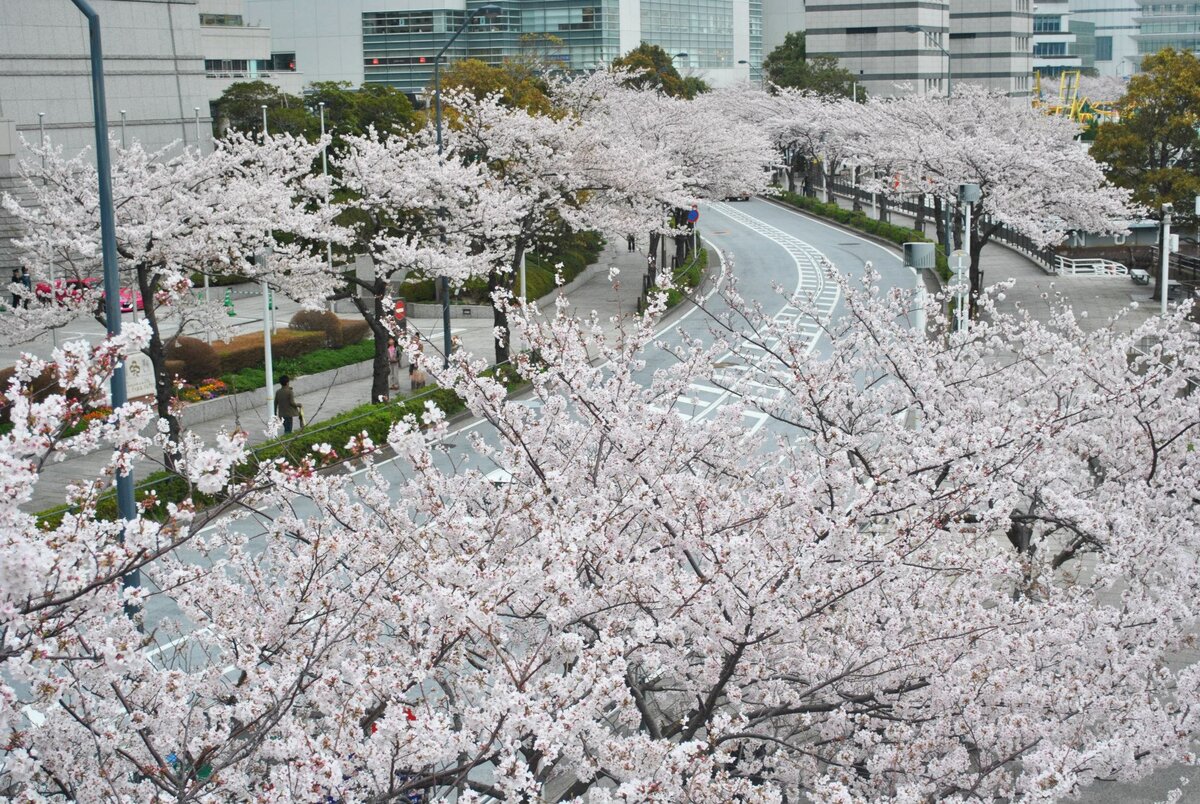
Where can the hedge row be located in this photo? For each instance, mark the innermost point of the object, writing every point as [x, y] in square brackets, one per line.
[255, 377]
[576, 251]
[375, 419]
[863, 223]
[688, 277]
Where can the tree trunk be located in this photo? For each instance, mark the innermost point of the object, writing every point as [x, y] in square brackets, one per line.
[156, 350]
[827, 179]
[919, 223]
[980, 237]
[938, 223]
[497, 281]
[958, 222]
[883, 206]
[809, 190]
[374, 316]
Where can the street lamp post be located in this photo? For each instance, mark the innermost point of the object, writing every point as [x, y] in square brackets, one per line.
[196, 109]
[264, 111]
[1165, 261]
[126, 507]
[931, 39]
[491, 11]
[124, 142]
[968, 195]
[325, 175]
[761, 78]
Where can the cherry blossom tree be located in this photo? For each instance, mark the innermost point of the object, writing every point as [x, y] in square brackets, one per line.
[177, 213]
[1033, 176]
[420, 215]
[668, 151]
[942, 571]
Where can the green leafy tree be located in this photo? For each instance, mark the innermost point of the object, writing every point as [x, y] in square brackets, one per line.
[1154, 149]
[240, 108]
[789, 65]
[517, 82]
[653, 68]
[353, 111]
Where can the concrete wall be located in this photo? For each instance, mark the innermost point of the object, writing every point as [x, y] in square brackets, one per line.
[870, 40]
[154, 70]
[991, 42]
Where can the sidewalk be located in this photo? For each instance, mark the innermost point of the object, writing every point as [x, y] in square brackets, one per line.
[589, 291]
[1034, 290]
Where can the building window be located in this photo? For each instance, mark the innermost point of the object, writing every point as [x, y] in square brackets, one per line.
[871, 30]
[970, 35]
[283, 62]
[1045, 49]
[1047, 24]
[230, 20]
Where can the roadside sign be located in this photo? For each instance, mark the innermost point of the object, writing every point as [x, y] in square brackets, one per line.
[401, 310]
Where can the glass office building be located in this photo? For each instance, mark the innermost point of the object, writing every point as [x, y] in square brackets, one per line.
[394, 41]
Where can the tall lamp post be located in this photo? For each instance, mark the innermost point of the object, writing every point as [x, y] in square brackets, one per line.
[931, 39]
[126, 507]
[491, 11]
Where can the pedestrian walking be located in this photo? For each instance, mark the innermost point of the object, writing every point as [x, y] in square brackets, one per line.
[631, 241]
[16, 280]
[27, 281]
[285, 403]
[393, 365]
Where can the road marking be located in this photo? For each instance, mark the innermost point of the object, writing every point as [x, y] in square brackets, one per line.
[812, 283]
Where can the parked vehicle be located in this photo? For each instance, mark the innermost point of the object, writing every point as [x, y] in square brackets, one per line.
[67, 289]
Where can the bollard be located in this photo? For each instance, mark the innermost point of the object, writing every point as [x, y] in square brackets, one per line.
[229, 311]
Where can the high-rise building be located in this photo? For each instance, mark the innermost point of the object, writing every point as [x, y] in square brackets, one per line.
[895, 48]
[991, 44]
[236, 49]
[1055, 46]
[920, 46]
[154, 81]
[1116, 24]
[394, 41]
[1173, 25]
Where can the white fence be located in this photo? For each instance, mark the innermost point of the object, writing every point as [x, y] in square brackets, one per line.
[1065, 266]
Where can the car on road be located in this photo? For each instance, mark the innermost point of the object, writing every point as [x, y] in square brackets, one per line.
[744, 197]
[129, 300]
[67, 289]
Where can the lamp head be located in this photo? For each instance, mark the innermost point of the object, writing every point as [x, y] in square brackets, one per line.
[679, 56]
[491, 11]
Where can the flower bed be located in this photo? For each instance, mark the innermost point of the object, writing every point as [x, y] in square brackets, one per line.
[208, 389]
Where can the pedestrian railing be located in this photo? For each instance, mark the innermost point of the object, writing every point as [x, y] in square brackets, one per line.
[1065, 266]
[922, 208]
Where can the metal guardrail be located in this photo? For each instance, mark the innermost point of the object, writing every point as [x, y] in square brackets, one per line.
[1065, 266]
[1043, 257]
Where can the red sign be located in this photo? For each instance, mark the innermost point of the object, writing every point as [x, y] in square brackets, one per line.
[401, 308]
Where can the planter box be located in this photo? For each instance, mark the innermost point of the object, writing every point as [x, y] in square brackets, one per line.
[228, 406]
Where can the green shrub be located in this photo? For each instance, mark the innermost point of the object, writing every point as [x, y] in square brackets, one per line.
[418, 290]
[252, 378]
[376, 420]
[319, 321]
[246, 350]
[354, 331]
[859, 220]
[199, 360]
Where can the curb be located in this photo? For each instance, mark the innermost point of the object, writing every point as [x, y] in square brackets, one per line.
[232, 404]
